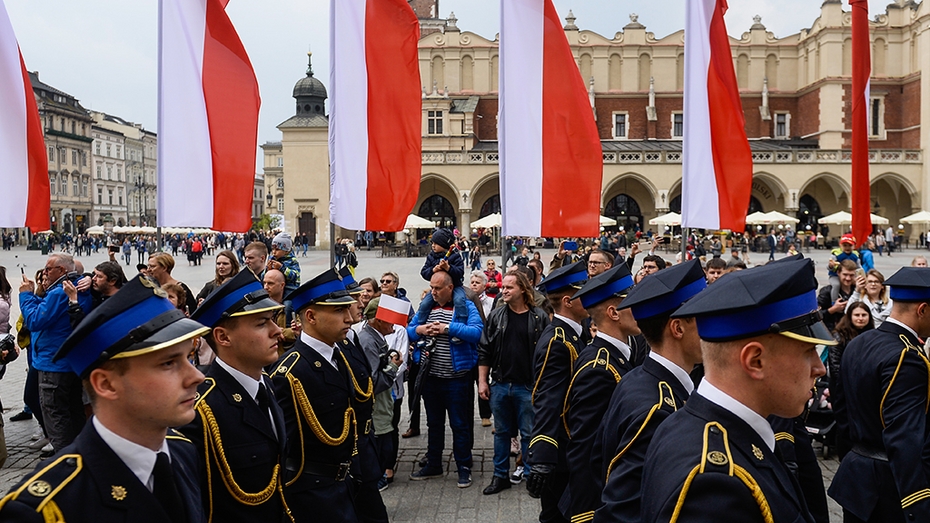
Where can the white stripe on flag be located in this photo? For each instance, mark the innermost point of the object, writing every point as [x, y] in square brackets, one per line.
[14, 176]
[185, 163]
[699, 196]
[348, 119]
[521, 70]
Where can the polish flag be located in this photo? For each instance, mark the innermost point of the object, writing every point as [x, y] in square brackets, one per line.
[208, 105]
[861, 70]
[374, 121]
[550, 151]
[717, 170]
[24, 176]
[393, 310]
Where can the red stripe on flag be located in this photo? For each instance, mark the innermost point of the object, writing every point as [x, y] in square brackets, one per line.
[572, 157]
[861, 70]
[394, 157]
[39, 204]
[397, 318]
[232, 100]
[732, 155]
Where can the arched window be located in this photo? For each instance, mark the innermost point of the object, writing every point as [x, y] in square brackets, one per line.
[808, 212]
[625, 210]
[490, 206]
[438, 209]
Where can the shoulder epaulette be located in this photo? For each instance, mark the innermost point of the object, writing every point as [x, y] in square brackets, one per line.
[284, 368]
[39, 490]
[665, 397]
[908, 346]
[208, 384]
[177, 436]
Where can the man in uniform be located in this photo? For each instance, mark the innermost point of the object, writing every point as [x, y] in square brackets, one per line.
[648, 394]
[555, 353]
[314, 390]
[239, 427]
[597, 371]
[131, 353]
[715, 459]
[886, 477]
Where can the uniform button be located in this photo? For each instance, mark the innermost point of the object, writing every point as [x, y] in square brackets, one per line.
[71, 461]
[714, 430]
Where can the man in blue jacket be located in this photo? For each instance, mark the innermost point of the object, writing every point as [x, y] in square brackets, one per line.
[448, 385]
[47, 318]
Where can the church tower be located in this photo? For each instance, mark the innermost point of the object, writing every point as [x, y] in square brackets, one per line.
[428, 13]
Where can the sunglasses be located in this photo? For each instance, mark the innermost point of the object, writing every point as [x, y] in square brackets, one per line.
[386, 282]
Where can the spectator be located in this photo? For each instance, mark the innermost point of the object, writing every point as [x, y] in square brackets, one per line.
[843, 252]
[159, 268]
[47, 319]
[523, 258]
[370, 290]
[866, 258]
[833, 309]
[599, 262]
[31, 404]
[443, 257]
[734, 258]
[108, 278]
[889, 240]
[254, 257]
[715, 268]
[283, 259]
[140, 249]
[773, 242]
[448, 386]
[127, 251]
[227, 266]
[918, 261]
[274, 285]
[196, 251]
[857, 319]
[479, 284]
[870, 290]
[494, 278]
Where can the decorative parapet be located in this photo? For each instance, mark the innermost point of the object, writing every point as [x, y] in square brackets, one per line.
[883, 156]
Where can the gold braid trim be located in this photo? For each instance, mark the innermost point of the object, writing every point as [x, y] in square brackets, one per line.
[360, 395]
[52, 513]
[213, 441]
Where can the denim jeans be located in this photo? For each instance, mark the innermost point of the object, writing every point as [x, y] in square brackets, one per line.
[457, 397]
[512, 405]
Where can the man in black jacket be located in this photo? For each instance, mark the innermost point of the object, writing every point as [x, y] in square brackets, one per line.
[506, 346]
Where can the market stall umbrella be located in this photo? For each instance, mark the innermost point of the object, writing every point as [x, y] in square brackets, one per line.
[757, 218]
[96, 230]
[922, 217]
[489, 221]
[777, 217]
[416, 222]
[671, 219]
[844, 218]
[607, 222]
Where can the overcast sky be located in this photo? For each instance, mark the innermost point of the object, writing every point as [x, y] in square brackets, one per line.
[104, 51]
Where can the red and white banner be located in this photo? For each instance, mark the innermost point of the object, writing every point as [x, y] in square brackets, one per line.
[24, 176]
[861, 70]
[717, 170]
[393, 310]
[550, 152]
[374, 120]
[208, 105]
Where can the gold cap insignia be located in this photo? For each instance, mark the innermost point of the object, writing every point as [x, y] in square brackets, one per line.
[39, 488]
[282, 368]
[602, 361]
[237, 397]
[717, 458]
[757, 452]
[669, 401]
[317, 364]
[196, 396]
[118, 492]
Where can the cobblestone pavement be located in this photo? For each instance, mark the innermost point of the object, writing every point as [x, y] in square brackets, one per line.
[416, 501]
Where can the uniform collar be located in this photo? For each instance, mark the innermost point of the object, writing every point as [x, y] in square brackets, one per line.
[323, 349]
[622, 347]
[728, 403]
[673, 367]
[899, 322]
[140, 460]
[571, 323]
[248, 383]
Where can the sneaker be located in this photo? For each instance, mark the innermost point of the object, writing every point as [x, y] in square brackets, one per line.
[517, 475]
[383, 483]
[48, 448]
[38, 434]
[21, 416]
[38, 444]
[426, 473]
[464, 477]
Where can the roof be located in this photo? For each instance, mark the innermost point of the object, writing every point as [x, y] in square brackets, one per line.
[467, 105]
[315, 120]
[38, 84]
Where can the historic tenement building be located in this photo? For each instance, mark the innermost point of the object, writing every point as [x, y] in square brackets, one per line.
[796, 99]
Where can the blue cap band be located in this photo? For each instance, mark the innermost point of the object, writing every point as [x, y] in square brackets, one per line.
[212, 315]
[668, 302]
[910, 293]
[88, 350]
[348, 280]
[754, 320]
[606, 291]
[561, 282]
[305, 298]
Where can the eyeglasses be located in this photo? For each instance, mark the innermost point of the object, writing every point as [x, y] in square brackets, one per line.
[596, 263]
[46, 269]
[387, 282]
[874, 282]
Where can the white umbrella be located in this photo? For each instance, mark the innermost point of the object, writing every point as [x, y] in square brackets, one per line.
[757, 218]
[416, 222]
[777, 217]
[672, 219]
[148, 230]
[844, 218]
[489, 221]
[607, 222]
[96, 230]
[922, 217]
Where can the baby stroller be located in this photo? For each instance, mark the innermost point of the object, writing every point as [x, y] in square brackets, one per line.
[819, 419]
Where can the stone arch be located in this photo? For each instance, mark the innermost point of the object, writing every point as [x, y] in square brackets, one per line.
[893, 196]
[878, 57]
[437, 74]
[486, 188]
[645, 71]
[898, 182]
[586, 64]
[771, 71]
[433, 184]
[742, 71]
[613, 75]
[467, 73]
[637, 187]
[829, 190]
[771, 192]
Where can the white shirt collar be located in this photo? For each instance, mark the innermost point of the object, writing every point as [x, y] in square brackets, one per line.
[325, 350]
[898, 322]
[623, 347]
[139, 459]
[751, 417]
[571, 323]
[248, 383]
[673, 367]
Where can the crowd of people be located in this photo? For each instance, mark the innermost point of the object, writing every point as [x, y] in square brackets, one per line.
[620, 386]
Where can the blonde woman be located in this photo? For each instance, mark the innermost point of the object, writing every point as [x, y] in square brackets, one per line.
[870, 289]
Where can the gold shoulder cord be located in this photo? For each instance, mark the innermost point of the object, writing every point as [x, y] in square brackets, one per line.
[559, 335]
[605, 362]
[213, 441]
[907, 346]
[360, 395]
[663, 389]
[51, 512]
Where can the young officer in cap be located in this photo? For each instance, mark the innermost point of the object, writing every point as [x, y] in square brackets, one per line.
[597, 371]
[315, 392]
[715, 458]
[239, 428]
[131, 353]
[886, 477]
[556, 351]
[366, 468]
[648, 394]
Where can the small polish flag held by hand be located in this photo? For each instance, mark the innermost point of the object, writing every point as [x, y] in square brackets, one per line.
[393, 310]
[24, 175]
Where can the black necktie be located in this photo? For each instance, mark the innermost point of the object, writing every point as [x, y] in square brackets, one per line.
[262, 396]
[166, 492]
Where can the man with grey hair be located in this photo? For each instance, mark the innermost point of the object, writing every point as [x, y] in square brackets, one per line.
[47, 318]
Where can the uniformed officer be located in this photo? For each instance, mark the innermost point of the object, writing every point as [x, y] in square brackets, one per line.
[131, 353]
[797, 452]
[239, 427]
[715, 459]
[556, 351]
[314, 389]
[648, 394]
[366, 468]
[598, 369]
[886, 477]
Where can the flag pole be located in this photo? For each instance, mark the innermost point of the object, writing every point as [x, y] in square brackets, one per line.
[685, 235]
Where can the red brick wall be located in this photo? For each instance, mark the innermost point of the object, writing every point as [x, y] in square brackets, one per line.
[422, 8]
[486, 126]
[636, 116]
[910, 109]
[807, 119]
